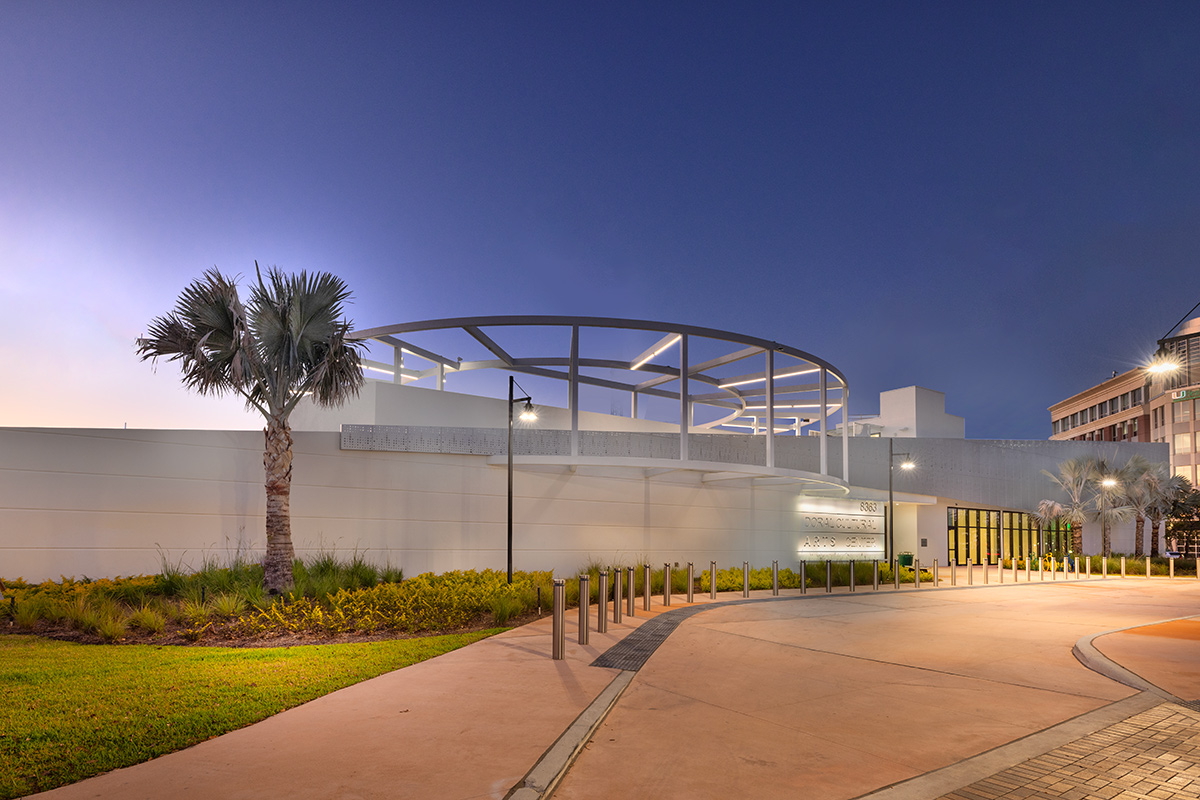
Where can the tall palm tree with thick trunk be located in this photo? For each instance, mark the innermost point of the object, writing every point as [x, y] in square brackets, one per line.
[287, 343]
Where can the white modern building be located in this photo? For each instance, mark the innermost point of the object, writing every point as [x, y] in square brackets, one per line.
[653, 442]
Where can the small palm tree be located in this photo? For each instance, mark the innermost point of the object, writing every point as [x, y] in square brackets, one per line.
[1109, 487]
[288, 343]
[1047, 513]
[1075, 479]
[1139, 490]
[1168, 490]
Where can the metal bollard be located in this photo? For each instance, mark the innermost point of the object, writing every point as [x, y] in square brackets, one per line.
[1122, 566]
[1053, 568]
[585, 591]
[917, 572]
[828, 576]
[935, 573]
[602, 603]
[558, 645]
[1147, 566]
[617, 595]
[691, 582]
[1171, 568]
[712, 580]
[745, 579]
[803, 577]
[666, 584]
[985, 573]
[646, 580]
[1088, 568]
[1103, 566]
[1000, 570]
[775, 578]
[1014, 570]
[970, 573]
[632, 592]
[875, 575]
[1076, 567]
[852, 574]
[1198, 569]
[954, 572]
[896, 572]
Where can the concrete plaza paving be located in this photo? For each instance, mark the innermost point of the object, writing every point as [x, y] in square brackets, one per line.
[935, 692]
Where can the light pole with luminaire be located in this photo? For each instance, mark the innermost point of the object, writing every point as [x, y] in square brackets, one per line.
[907, 464]
[527, 415]
[1106, 484]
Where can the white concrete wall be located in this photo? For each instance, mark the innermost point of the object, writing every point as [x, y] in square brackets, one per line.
[915, 411]
[108, 502]
[118, 502]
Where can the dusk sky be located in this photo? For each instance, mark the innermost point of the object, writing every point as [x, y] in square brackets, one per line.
[1000, 201]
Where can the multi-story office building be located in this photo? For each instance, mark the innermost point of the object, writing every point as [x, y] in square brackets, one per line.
[1141, 406]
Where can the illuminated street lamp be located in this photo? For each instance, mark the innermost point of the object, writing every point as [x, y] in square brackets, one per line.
[906, 464]
[527, 415]
[1106, 485]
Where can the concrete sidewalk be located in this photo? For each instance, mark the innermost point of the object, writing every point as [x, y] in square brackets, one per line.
[823, 695]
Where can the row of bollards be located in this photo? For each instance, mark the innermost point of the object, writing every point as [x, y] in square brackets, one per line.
[625, 591]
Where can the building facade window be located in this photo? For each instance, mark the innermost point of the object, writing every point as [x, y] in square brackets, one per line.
[984, 536]
[1183, 443]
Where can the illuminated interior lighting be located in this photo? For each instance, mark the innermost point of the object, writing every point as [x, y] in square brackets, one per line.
[381, 369]
[678, 336]
[778, 375]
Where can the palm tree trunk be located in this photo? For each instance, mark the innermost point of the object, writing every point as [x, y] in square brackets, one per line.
[1153, 538]
[277, 460]
[1077, 538]
[1139, 534]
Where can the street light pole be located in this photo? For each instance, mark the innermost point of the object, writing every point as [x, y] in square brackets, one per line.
[526, 414]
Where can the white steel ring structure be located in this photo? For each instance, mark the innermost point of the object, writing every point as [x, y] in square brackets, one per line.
[698, 369]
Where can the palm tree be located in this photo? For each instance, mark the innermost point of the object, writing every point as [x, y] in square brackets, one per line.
[1109, 486]
[1048, 511]
[288, 343]
[1141, 490]
[1074, 478]
[1168, 489]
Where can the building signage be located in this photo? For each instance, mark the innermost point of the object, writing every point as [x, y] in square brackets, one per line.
[839, 529]
[1185, 394]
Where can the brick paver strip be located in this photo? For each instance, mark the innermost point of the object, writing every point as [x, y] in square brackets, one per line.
[634, 650]
[1149, 755]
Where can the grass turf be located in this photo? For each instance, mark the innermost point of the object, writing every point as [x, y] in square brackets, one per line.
[69, 711]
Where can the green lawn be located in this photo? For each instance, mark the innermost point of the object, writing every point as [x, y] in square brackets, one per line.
[69, 711]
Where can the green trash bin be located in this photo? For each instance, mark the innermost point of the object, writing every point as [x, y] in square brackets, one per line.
[906, 559]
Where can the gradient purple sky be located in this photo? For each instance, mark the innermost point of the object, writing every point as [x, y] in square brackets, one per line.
[998, 200]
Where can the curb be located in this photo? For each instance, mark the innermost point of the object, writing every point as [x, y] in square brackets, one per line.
[1086, 653]
[541, 781]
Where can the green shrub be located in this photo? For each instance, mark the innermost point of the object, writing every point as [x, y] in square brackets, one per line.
[227, 606]
[505, 607]
[148, 618]
[110, 629]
